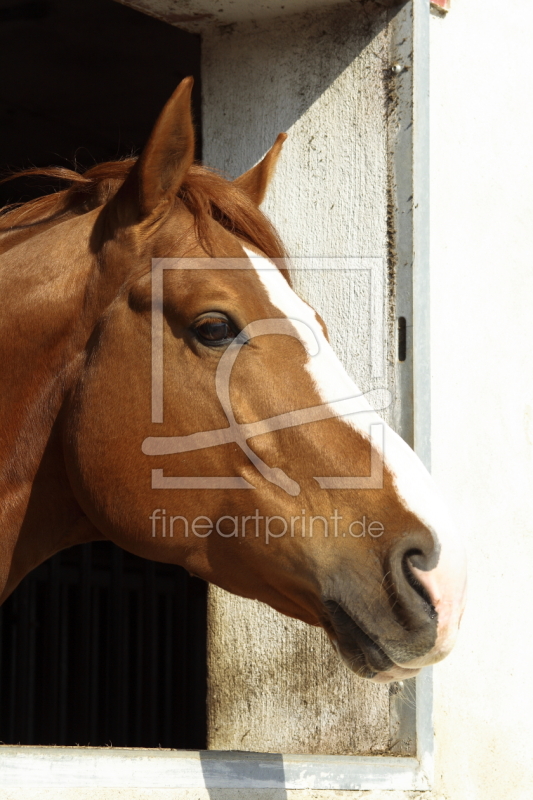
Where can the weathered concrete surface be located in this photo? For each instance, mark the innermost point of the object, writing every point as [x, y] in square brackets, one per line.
[199, 15]
[276, 685]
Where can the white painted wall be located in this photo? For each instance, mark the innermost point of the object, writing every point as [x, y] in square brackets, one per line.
[482, 385]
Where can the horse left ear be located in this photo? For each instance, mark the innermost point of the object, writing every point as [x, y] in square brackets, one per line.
[167, 155]
[255, 182]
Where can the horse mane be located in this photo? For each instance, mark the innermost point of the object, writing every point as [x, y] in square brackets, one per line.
[205, 193]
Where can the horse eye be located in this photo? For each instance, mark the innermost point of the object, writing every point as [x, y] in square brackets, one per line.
[214, 331]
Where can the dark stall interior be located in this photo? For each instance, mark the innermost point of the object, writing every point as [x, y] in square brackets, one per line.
[97, 646]
[82, 81]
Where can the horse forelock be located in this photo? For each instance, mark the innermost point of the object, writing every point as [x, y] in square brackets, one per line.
[205, 193]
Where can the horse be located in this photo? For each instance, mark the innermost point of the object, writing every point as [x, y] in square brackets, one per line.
[191, 428]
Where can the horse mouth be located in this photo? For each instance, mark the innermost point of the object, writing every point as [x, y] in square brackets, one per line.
[358, 650]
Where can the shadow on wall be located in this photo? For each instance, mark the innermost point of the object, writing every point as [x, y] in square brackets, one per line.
[216, 774]
[301, 56]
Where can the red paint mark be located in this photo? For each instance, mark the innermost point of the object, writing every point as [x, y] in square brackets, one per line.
[444, 5]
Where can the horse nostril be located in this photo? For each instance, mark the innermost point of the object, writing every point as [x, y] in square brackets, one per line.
[410, 558]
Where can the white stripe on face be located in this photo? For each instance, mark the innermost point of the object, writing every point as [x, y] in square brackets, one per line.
[414, 485]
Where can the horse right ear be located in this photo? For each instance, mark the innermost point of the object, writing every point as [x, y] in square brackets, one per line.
[166, 157]
[255, 182]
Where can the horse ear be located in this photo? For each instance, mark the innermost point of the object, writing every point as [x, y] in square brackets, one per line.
[255, 182]
[169, 152]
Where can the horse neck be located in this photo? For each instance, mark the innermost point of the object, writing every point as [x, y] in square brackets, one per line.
[54, 287]
[11, 237]
[48, 285]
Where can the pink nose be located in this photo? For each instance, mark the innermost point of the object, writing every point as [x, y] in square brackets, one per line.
[445, 585]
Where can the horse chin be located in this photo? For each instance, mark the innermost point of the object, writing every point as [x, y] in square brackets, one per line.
[394, 674]
[357, 662]
[360, 652]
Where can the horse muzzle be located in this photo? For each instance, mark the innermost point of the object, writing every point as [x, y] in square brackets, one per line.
[412, 622]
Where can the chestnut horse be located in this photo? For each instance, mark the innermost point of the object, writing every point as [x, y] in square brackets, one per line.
[213, 483]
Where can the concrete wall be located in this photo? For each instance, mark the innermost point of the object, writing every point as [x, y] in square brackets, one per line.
[275, 684]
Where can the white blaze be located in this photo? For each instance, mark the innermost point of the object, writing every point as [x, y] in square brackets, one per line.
[413, 483]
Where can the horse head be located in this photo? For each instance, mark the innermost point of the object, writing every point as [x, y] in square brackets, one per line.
[209, 423]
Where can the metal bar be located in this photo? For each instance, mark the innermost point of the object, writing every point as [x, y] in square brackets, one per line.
[421, 258]
[63, 661]
[168, 709]
[150, 655]
[116, 650]
[422, 325]
[170, 769]
[13, 681]
[138, 600]
[32, 656]
[83, 662]
[95, 664]
[52, 635]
